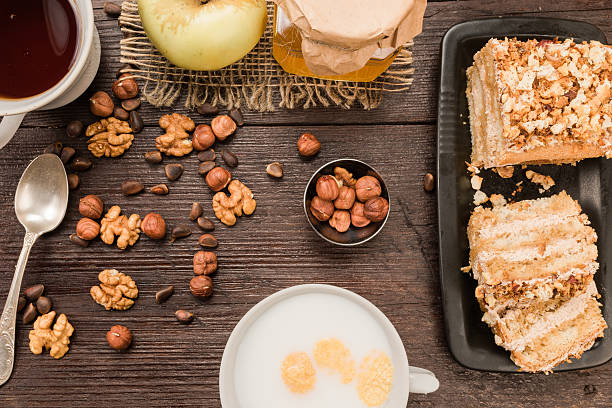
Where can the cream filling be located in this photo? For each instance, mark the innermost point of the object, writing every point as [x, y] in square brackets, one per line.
[589, 269]
[520, 226]
[571, 227]
[559, 247]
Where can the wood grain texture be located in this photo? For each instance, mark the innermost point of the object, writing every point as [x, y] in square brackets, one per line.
[174, 365]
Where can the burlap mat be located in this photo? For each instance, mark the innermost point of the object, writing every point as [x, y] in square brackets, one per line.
[255, 82]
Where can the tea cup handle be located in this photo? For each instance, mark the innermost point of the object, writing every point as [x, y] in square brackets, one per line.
[8, 126]
[422, 381]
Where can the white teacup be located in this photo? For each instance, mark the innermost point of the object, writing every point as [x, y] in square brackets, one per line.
[70, 87]
[326, 314]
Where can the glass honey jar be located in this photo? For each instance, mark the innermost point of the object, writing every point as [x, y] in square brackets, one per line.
[320, 39]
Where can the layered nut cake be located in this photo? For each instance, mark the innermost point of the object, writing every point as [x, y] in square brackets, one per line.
[534, 102]
[534, 261]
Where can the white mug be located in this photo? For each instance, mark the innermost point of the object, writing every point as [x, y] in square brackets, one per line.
[406, 378]
[70, 87]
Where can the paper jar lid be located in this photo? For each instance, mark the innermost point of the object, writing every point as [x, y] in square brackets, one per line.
[340, 36]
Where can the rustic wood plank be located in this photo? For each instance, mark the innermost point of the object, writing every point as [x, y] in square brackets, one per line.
[418, 105]
[274, 249]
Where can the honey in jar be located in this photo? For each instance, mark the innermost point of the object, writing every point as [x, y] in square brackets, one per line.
[343, 40]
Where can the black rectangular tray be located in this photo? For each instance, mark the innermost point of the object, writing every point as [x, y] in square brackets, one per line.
[470, 340]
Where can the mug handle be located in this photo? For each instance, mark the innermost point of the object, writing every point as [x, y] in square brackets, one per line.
[422, 381]
[8, 126]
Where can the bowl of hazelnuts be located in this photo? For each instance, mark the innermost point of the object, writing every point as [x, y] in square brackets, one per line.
[346, 202]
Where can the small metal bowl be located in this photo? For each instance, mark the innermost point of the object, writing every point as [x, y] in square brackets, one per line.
[354, 236]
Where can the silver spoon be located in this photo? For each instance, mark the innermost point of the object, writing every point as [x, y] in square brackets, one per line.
[40, 204]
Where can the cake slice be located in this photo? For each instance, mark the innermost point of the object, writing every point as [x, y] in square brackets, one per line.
[534, 261]
[517, 326]
[569, 340]
[540, 102]
[532, 249]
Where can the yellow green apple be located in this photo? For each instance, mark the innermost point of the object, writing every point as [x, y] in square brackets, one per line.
[203, 35]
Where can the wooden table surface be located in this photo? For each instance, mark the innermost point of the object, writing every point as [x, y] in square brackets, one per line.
[174, 365]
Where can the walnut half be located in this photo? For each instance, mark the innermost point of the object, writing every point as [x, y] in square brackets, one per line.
[109, 137]
[126, 229]
[56, 339]
[116, 291]
[240, 201]
[175, 142]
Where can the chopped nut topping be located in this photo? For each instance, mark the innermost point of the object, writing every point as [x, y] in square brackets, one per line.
[554, 92]
[476, 182]
[472, 169]
[545, 181]
[505, 172]
[480, 198]
[497, 200]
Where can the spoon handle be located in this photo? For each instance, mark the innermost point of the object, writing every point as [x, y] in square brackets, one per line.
[7, 321]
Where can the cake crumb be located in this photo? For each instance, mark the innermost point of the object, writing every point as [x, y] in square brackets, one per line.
[497, 200]
[375, 378]
[476, 182]
[480, 198]
[466, 269]
[518, 189]
[333, 355]
[505, 172]
[298, 373]
[545, 181]
[472, 169]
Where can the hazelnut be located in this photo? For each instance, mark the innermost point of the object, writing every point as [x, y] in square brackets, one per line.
[201, 286]
[218, 178]
[204, 263]
[203, 137]
[119, 337]
[87, 229]
[367, 187]
[91, 206]
[341, 220]
[357, 218]
[125, 87]
[327, 188]
[101, 104]
[376, 209]
[321, 209]
[345, 199]
[308, 145]
[154, 226]
[223, 126]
